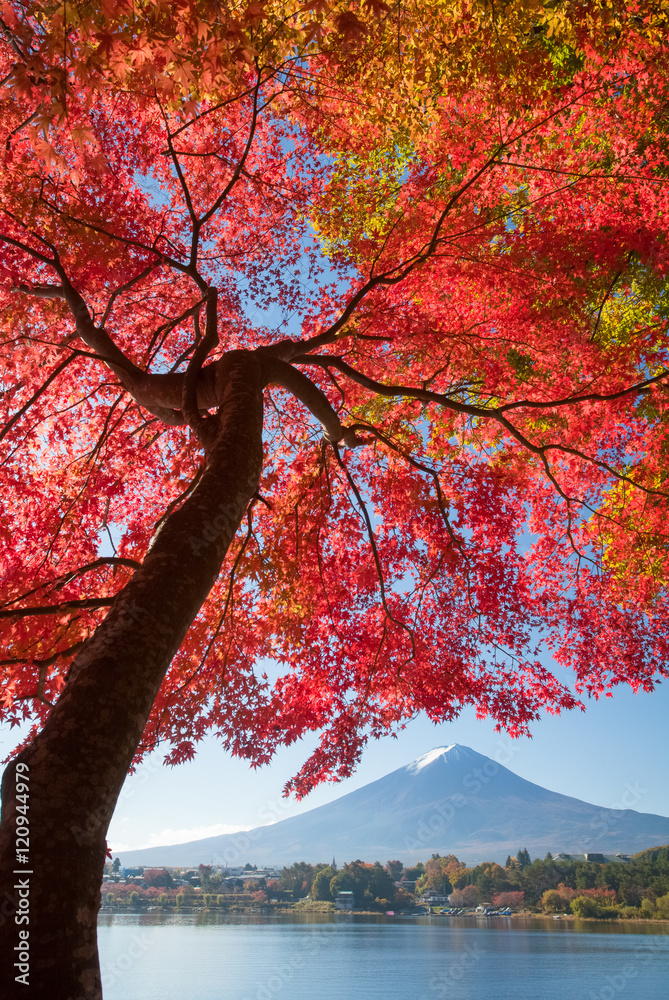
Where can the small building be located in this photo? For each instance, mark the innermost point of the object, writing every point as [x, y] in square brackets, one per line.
[133, 872]
[344, 901]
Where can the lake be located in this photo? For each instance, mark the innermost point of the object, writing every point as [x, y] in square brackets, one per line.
[157, 956]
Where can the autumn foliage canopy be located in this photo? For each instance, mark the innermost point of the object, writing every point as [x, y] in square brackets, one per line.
[442, 231]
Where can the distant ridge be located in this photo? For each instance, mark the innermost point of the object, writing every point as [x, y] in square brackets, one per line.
[450, 800]
[660, 853]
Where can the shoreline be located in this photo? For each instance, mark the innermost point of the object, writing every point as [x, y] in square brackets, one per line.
[550, 919]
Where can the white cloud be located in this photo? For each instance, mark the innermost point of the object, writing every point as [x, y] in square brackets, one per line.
[168, 836]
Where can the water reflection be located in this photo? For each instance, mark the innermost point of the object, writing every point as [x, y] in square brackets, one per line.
[201, 918]
[299, 956]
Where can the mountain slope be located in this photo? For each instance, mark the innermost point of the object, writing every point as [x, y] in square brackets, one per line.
[451, 800]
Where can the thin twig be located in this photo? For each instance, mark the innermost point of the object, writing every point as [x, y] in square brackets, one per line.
[375, 553]
[19, 413]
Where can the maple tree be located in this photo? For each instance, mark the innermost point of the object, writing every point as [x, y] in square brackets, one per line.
[347, 325]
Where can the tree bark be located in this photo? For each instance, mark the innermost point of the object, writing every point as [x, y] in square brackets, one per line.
[76, 766]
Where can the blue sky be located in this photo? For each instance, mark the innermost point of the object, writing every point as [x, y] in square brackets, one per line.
[614, 755]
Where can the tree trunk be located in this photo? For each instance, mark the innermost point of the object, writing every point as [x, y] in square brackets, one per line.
[76, 766]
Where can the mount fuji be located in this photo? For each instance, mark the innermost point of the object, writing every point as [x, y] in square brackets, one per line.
[450, 800]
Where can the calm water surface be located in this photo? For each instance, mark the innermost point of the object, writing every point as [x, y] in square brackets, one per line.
[157, 956]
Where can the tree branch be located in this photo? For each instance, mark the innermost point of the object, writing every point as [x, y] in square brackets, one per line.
[124, 288]
[132, 378]
[427, 396]
[372, 542]
[65, 578]
[49, 661]
[203, 427]
[244, 157]
[35, 396]
[278, 372]
[55, 609]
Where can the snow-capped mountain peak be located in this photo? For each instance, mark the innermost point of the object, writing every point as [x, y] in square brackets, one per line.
[430, 756]
[450, 800]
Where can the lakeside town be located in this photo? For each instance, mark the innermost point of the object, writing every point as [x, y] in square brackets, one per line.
[586, 886]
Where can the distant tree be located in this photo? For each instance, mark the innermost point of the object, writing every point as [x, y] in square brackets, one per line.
[158, 877]
[471, 895]
[380, 884]
[512, 899]
[436, 876]
[204, 872]
[523, 858]
[585, 876]
[297, 879]
[631, 894]
[602, 875]
[509, 861]
[553, 901]
[464, 877]
[371, 885]
[343, 881]
[320, 887]
[603, 894]
[587, 906]
[653, 854]
[412, 874]
[485, 885]
[490, 878]
[116, 867]
[536, 877]
[468, 896]
[395, 869]
[403, 898]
